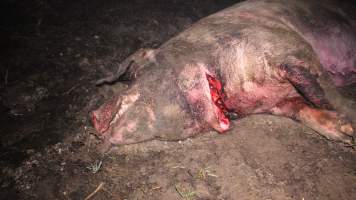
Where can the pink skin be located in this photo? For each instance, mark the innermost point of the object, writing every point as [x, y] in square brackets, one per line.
[336, 48]
[332, 38]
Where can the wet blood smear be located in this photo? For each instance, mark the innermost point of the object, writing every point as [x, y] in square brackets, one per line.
[217, 97]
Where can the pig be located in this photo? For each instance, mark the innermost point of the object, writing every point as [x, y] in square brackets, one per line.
[258, 56]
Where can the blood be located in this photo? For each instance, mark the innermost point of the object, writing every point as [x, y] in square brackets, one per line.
[217, 96]
[102, 117]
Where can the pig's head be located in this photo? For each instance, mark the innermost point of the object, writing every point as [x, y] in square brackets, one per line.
[139, 115]
[169, 107]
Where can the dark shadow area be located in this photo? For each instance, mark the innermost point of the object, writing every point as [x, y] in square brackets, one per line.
[53, 51]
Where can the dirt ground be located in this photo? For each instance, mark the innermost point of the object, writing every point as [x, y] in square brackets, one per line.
[52, 52]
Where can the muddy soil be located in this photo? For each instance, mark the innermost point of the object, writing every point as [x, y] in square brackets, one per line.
[52, 52]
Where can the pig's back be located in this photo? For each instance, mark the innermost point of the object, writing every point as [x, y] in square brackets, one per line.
[255, 36]
[241, 44]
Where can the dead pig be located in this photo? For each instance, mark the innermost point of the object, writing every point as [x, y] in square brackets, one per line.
[254, 57]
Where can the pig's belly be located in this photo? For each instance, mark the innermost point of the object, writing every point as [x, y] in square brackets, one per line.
[252, 98]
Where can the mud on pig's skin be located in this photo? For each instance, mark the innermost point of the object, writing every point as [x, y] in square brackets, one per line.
[254, 57]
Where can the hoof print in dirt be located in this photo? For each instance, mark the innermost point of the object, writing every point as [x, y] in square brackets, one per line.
[254, 57]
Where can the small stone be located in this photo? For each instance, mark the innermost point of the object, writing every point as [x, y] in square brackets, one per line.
[30, 151]
[84, 62]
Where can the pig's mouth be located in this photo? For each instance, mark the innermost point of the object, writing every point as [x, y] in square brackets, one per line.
[217, 96]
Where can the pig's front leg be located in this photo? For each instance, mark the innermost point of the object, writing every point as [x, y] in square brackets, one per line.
[311, 107]
[330, 124]
[305, 84]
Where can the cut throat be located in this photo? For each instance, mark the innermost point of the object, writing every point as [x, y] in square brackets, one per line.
[217, 96]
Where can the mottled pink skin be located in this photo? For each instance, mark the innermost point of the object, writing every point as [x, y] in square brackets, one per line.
[334, 44]
[266, 56]
[330, 29]
[337, 58]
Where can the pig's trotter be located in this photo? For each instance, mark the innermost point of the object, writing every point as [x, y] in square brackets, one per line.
[330, 124]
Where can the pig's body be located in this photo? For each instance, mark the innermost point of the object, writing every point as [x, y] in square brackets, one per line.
[254, 57]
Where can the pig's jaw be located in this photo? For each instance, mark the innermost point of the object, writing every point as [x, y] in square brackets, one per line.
[217, 97]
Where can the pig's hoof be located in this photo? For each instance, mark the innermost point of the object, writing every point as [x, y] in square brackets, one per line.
[347, 129]
[339, 131]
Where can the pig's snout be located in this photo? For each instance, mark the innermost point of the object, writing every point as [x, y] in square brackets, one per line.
[102, 117]
[112, 111]
[98, 125]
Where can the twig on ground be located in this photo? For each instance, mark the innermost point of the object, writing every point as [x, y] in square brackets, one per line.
[178, 166]
[71, 89]
[6, 76]
[353, 146]
[203, 173]
[100, 186]
[95, 167]
[185, 193]
[156, 188]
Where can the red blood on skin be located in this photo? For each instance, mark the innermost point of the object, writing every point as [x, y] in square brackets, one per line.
[217, 97]
[102, 117]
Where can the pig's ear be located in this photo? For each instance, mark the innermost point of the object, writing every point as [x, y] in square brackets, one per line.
[130, 67]
[122, 68]
[136, 62]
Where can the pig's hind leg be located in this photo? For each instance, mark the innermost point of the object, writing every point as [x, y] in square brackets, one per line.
[311, 108]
